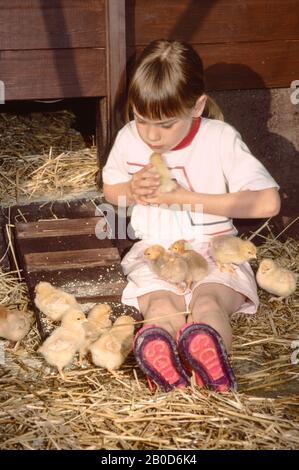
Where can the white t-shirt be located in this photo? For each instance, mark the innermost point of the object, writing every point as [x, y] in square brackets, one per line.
[217, 161]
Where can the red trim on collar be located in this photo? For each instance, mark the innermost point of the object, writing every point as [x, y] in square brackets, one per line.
[190, 136]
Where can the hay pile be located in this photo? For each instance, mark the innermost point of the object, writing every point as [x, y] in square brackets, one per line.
[95, 410]
[42, 157]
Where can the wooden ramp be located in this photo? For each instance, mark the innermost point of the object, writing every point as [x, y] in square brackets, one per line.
[74, 254]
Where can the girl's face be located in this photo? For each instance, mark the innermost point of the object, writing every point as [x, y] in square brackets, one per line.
[162, 136]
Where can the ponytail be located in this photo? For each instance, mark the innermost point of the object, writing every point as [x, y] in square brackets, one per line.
[212, 110]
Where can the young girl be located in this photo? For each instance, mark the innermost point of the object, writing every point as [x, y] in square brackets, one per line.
[217, 179]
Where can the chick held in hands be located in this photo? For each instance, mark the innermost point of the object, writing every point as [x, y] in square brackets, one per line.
[14, 324]
[168, 266]
[52, 301]
[228, 250]
[276, 280]
[112, 348]
[166, 183]
[197, 264]
[60, 348]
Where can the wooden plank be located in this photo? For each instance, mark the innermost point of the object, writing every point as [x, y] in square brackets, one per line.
[116, 57]
[76, 242]
[55, 24]
[247, 65]
[210, 22]
[60, 73]
[53, 210]
[273, 64]
[72, 259]
[59, 227]
[94, 283]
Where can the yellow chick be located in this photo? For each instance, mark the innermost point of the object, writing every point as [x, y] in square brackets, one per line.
[112, 348]
[53, 302]
[275, 279]
[14, 324]
[166, 183]
[228, 250]
[168, 266]
[98, 322]
[197, 265]
[60, 348]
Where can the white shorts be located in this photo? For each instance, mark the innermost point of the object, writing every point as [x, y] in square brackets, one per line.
[142, 279]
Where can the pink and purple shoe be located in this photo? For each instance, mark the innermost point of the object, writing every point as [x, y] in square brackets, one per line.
[202, 350]
[157, 356]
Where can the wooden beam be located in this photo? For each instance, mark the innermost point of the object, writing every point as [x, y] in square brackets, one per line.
[116, 56]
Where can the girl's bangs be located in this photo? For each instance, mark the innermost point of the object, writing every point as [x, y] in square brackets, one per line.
[157, 108]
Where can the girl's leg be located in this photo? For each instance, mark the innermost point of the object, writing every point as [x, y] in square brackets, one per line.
[212, 304]
[204, 343]
[162, 309]
[155, 347]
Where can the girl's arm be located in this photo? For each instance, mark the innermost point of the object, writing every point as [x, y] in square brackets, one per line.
[113, 192]
[241, 205]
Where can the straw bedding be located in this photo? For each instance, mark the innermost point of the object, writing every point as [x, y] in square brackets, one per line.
[95, 410]
[43, 158]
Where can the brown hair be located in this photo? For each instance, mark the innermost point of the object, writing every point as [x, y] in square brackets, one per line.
[167, 81]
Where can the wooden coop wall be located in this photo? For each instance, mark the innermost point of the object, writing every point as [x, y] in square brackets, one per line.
[260, 35]
[53, 49]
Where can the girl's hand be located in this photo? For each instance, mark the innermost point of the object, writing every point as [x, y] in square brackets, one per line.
[179, 196]
[144, 183]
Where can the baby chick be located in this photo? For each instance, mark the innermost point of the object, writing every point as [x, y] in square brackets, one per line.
[112, 348]
[275, 279]
[14, 324]
[228, 250]
[166, 183]
[52, 301]
[60, 348]
[168, 266]
[197, 265]
[98, 322]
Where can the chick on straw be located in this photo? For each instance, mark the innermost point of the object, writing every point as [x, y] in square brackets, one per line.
[60, 348]
[169, 266]
[197, 265]
[98, 322]
[276, 280]
[166, 183]
[52, 301]
[228, 250]
[112, 348]
[14, 324]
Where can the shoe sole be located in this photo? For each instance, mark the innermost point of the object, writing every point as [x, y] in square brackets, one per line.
[202, 349]
[156, 354]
